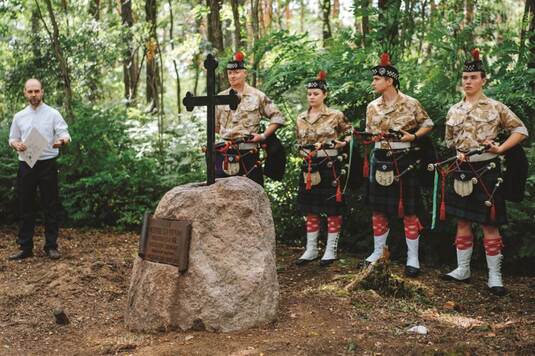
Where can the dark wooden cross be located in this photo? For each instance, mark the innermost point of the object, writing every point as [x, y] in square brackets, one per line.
[210, 101]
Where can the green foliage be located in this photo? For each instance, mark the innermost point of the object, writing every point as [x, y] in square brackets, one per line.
[8, 173]
[434, 80]
[122, 160]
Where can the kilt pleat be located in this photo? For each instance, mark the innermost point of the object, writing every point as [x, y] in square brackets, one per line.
[321, 198]
[386, 199]
[472, 207]
[248, 165]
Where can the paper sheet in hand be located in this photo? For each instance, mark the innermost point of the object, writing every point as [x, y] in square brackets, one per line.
[35, 144]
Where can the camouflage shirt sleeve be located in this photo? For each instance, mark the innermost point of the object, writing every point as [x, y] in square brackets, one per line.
[448, 137]
[511, 122]
[421, 116]
[343, 124]
[369, 113]
[270, 110]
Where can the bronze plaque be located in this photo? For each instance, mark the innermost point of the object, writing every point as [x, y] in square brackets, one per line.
[165, 241]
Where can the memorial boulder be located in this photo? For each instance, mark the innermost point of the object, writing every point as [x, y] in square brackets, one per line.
[230, 282]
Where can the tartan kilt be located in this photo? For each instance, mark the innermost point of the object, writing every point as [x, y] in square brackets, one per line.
[247, 163]
[386, 199]
[472, 207]
[321, 198]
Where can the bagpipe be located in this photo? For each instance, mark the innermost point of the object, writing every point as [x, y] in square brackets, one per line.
[325, 156]
[510, 182]
[271, 155]
[422, 149]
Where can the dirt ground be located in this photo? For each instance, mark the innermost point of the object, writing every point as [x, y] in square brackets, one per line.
[317, 316]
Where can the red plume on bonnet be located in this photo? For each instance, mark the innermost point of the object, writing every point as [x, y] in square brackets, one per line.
[239, 56]
[475, 54]
[385, 59]
[322, 75]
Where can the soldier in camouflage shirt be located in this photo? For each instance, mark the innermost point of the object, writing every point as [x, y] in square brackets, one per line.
[244, 123]
[390, 197]
[328, 125]
[406, 114]
[245, 120]
[320, 185]
[473, 122]
[470, 125]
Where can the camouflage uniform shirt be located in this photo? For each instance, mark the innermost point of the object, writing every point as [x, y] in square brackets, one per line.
[468, 126]
[405, 114]
[245, 120]
[329, 125]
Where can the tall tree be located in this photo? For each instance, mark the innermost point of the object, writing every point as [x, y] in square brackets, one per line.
[336, 9]
[215, 34]
[175, 65]
[362, 8]
[326, 20]
[151, 53]
[93, 72]
[237, 26]
[130, 56]
[62, 61]
[94, 9]
[267, 15]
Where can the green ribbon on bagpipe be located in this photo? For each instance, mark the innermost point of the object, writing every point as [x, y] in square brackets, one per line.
[435, 195]
[350, 160]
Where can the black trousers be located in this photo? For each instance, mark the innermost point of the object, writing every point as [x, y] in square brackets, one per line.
[43, 175]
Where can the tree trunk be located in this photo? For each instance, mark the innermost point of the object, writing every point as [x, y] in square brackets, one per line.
[92, 70]
[469, 13]
[197, 66]
[130, 56]
[256, 29]
[63, 65]
[267, 14]
[237, 27]
[255, 20]
[431, 19]
[336, 9]
[175, 65]
[365, 27]
[36, 43]
[287, 15]
[326, 23]
[94, 9]
[152, 70]
[215, 34]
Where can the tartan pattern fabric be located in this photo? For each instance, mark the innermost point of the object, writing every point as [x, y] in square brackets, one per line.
[386, 199]
[472, 207]
[321, 199]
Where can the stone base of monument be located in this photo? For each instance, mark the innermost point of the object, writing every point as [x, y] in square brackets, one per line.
[231, 281]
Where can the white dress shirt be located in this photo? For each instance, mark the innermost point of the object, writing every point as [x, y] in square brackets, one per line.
[48, 121]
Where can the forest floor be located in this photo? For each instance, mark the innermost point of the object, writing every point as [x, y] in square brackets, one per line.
[317, 316]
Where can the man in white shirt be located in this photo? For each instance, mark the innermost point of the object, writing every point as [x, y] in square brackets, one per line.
[43, 175]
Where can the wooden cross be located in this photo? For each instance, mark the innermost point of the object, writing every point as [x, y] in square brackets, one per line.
[210, 101]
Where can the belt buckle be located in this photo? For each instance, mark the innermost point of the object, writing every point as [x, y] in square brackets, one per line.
[384, 145]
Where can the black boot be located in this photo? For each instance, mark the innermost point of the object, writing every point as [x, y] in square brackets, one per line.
[411, 271]
[53, 254]
[21, 255]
